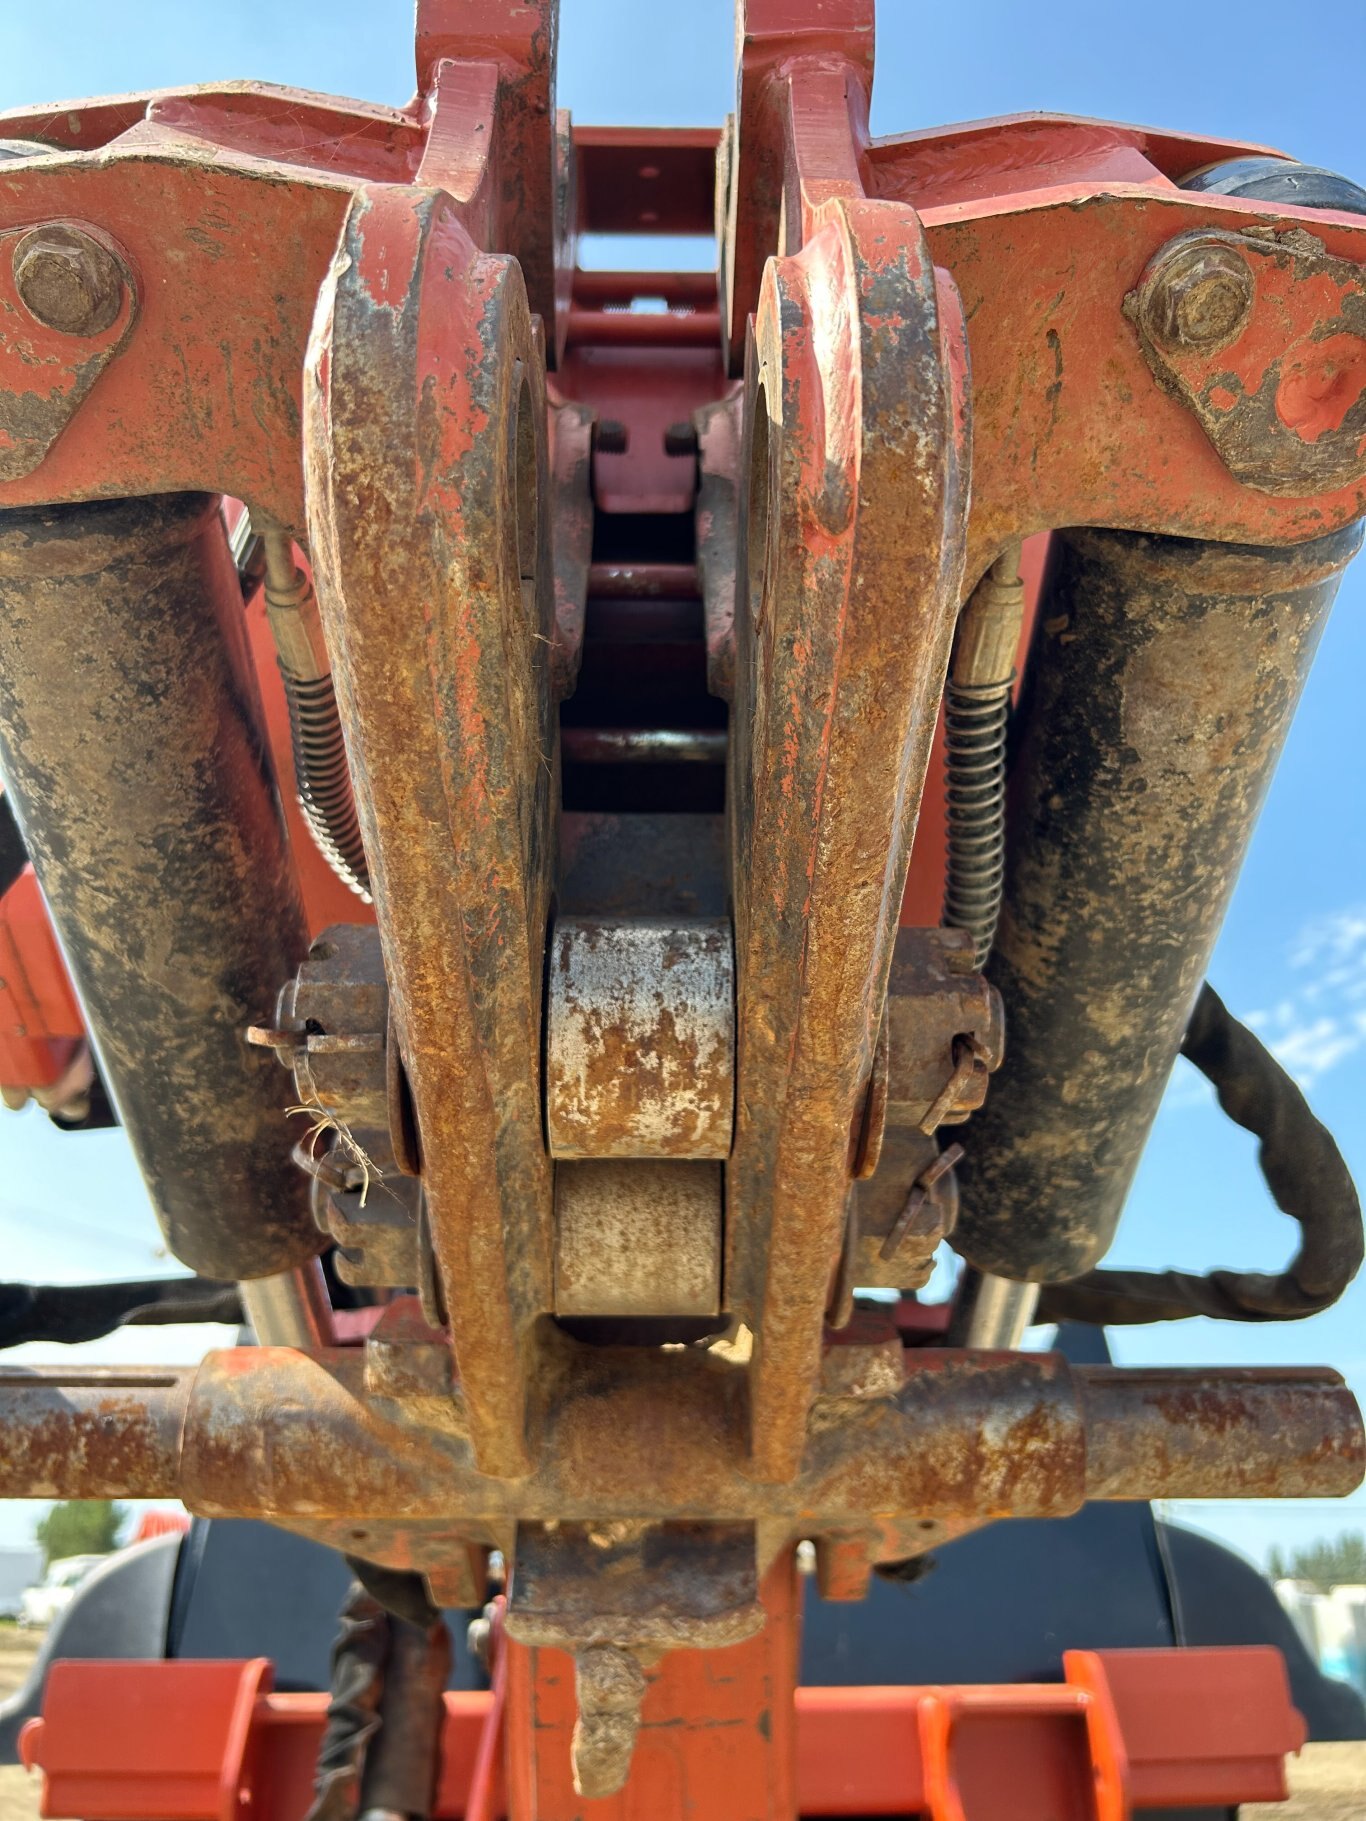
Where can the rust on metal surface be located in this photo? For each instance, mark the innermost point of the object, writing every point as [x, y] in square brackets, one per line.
[487, 68]
[68, 280]
[331, 1025]
[639, 1238]
[131, 744]
[897, 1187]
[1164, 677]
[424, 385]
[1263, 337]
[655, 1435]
[640, 1038]
[852, 576]
[703, 1103]
[615, 1596]
[67, 303]
[1168, 1429]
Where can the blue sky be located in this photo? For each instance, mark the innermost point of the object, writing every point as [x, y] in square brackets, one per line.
[1293, 953]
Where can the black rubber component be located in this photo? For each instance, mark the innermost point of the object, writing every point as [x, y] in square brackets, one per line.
[1163, 679]
[71, 1313]
[1298, 186]
[1303, 1169]
[13, 853]
[131, 749]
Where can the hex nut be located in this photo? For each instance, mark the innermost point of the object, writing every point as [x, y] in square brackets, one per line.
[67, 280]
[1200, 298]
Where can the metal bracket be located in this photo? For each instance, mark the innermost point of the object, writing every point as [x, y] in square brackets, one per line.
[1262, 335]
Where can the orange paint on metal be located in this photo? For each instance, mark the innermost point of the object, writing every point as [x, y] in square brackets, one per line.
[40, 1021]
[1321, 381]
[439, 613]
[724, 1734]
[716, 1734]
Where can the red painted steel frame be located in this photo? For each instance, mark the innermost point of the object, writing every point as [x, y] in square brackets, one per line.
[1125, 1732]
[40, 1021]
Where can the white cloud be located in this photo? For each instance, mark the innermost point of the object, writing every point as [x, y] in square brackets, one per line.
[1322, 1020]
[1318, 1022]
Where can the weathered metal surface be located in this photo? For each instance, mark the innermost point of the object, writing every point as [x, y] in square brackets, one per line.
[67, 304]
[373, 1221]
[1164, 1430]
[938, 1007]
[639, 1238]
[488, 67]
[720, 439]
[916, 1219]
[1045, 224]
[909, 1193]
[256, 177]
[1263, 336]
[330, 1027]
[716, 1736]
[322, 780]
[291, 1309]
[106, 1426]
[68, 280]
[643, 1433]
[571, 483]
[221, 388]
[853, 571]
[615, 1597]
[942, 1035]
[410, 1369]
[131, 748]
[454, 541]
[1071, 427]
[788, 52]
[640, 1038]
[1164, 678]
[425, 390]
[643, 1586]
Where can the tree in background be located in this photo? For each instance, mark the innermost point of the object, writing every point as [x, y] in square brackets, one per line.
[1329, 1563]
[79, 1527]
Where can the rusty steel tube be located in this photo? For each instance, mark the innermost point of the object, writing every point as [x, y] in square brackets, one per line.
[132, 751]
[1163, 680]
[115, 1431]
[1164, 1434]
[273, 1433]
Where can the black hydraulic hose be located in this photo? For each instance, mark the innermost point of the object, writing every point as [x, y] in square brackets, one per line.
[71, 1313]
[1164, 676]
[133, 759]
[1303, 1169]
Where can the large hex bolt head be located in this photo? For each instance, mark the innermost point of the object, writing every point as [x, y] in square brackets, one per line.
[1201, 297]
[67, 280]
